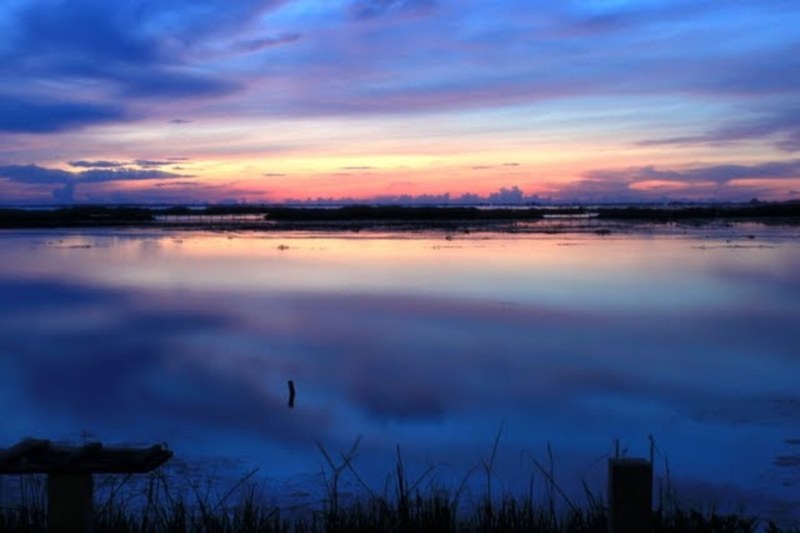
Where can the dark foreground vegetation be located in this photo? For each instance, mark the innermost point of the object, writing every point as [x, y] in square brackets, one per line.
[391, 217]
[179, 500]
[402, 512]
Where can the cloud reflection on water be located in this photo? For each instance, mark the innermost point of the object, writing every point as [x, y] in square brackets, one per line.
[88, 344]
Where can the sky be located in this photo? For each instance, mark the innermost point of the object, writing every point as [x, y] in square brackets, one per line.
[208, 101]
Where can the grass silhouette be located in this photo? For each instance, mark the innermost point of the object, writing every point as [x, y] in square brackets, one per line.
[169, 501]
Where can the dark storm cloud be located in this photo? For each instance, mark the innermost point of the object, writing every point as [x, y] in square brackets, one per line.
[20, 115]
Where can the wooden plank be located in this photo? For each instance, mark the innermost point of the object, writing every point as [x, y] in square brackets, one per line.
[33, 456]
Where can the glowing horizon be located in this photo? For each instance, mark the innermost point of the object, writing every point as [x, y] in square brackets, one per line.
[273, 100]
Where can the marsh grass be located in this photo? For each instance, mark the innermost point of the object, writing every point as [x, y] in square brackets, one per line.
[173, 501]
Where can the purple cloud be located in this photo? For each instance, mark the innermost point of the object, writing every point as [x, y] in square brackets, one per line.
[153, 162]
[782, 126]
[700, 182]
[720, 174]
[96, 164]
[68, 181]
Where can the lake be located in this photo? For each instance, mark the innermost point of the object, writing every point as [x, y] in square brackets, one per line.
[568, 342]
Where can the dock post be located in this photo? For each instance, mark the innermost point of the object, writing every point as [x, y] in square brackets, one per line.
[630, 496]
[69, 503]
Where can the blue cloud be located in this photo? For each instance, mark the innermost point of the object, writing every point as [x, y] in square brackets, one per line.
[34, 174]
[162, 83]
[368, 9]
[18, 115]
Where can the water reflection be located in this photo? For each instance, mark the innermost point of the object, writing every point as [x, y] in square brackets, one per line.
[422, 342]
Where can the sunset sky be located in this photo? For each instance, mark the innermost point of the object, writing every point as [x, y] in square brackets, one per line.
[174, 101]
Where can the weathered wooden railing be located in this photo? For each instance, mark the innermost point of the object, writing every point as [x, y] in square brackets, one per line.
[69, 472]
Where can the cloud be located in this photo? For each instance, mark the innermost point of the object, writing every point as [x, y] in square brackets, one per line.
[153, 162]
[370, 9]
[119, 51]
[67, 181]
[720, 174]
[34, 174]
[162, 83]
[698, 183]
[488, 167]
[256, 45]
[123, 174]
[20, 115]
[96, 164]
[357, 168]
[103, 164]
[782, 127]
[65, 194]
[179, 184]
[103, 376]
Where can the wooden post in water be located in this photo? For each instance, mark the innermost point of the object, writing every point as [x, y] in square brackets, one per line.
[69, 472]
[630, 496]
[291, 394]
[69, 503]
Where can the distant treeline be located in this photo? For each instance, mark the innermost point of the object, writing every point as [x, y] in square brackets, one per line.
[279, 216]
[757, 210]
[400, 213]
[78, 216]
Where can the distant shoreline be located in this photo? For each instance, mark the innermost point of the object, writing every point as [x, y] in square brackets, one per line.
[533, 219]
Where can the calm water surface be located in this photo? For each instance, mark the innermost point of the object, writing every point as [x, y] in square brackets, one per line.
[414, 340]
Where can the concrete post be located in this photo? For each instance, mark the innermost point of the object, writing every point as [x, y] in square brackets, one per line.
[630, 496]
[69, 503]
